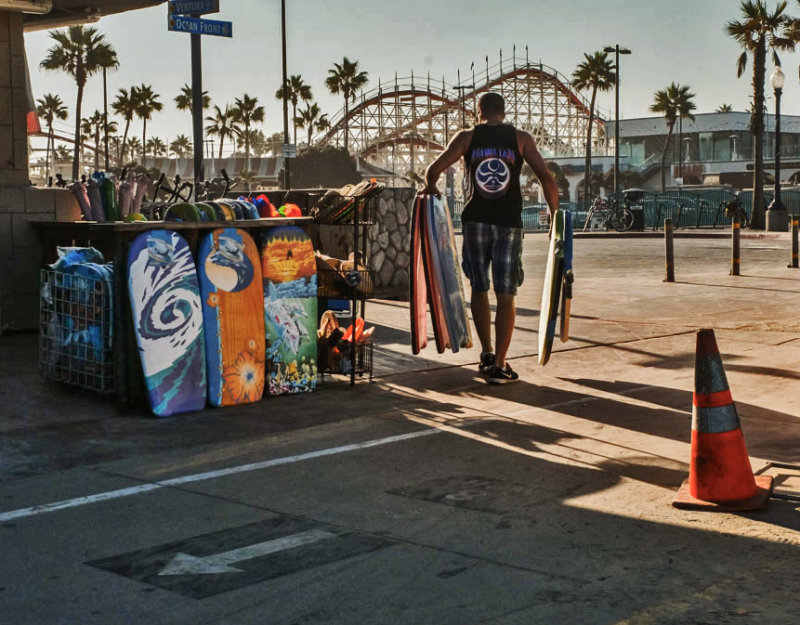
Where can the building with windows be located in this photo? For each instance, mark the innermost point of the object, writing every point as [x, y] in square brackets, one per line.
[714, 148]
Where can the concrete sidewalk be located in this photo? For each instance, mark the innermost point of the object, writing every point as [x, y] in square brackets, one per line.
[440, 499]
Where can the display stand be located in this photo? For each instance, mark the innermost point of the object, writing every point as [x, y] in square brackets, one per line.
[356, 285]
[113, 240]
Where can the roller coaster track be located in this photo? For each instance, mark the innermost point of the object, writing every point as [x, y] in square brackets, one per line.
[402, 125]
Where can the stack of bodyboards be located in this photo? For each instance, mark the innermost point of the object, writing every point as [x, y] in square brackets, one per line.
[435, 279]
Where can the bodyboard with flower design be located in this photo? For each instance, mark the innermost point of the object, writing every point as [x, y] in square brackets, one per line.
[289, 268]
[233, 315]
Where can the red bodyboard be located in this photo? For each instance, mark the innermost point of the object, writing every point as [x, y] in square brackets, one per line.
[418, 283]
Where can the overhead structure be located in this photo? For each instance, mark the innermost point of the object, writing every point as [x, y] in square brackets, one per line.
[58, 13]
[402, 125]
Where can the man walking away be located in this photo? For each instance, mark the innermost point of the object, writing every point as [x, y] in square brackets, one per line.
[493, 152]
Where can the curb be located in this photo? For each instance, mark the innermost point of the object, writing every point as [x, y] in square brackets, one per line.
[683, 234]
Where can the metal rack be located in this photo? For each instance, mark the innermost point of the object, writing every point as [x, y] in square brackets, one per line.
[76, 338]
[356, 285]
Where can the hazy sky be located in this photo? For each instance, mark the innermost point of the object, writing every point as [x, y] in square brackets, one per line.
[681, 41]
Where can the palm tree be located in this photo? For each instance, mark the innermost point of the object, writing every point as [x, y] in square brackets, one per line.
[79, 51]
[758, 33]
[255, 139]
[181, 146]
[308, 119]
[61, 154]
[50, 107]
[345, 78]
[156, 146]
[296, 90]
[247, 110]
[115, 141]
[323, 123]
[146, 104]
[724, 108]
[596, 72]
[223, 125]
[92, 127]
[671, 102]
[125, 106]
[183, 101]
[135, 146]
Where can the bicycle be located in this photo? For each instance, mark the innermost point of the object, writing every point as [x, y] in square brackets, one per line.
[619, 218]
[180, 192]
[216, 188]
[735, 211]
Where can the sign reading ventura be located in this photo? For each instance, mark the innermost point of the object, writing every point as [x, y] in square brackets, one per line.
[193, 7]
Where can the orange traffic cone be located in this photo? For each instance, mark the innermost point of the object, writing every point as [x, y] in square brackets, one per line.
[720, 475]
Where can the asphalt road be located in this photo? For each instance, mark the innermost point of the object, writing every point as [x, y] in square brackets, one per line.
[427, 496]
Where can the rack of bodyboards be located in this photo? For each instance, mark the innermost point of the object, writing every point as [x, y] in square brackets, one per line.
[344, 342]
[435, 279]
[76, 341]
[104, 197]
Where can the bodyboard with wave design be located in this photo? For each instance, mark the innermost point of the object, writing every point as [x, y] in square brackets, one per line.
[233, 316]
[168, 321]
[289, 270]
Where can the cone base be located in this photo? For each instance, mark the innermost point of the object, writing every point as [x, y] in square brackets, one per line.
[685, 501]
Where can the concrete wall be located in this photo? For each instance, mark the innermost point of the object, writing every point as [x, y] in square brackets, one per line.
[20, 250]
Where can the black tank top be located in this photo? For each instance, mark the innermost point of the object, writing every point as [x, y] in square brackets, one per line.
[493, 164]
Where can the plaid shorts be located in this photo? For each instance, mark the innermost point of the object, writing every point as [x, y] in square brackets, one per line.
[499, 245]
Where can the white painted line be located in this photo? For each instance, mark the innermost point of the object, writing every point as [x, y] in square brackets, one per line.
[12, 515]
[78, 501]
[266, 464]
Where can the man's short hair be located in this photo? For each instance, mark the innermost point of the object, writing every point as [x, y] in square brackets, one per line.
[491, 103]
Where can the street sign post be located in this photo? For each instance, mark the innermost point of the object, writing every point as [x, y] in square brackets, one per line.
[197, 26]
[193, 7]
[289, 150]
[182, 16]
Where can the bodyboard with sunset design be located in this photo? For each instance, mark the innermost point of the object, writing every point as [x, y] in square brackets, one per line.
[289, 270]
[233, 316]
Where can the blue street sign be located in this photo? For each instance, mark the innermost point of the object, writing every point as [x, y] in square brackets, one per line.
[197, 26]
[193, 7]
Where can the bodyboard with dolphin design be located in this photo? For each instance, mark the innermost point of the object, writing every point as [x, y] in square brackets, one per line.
[168, 321]
[233, 316]
[289, 270]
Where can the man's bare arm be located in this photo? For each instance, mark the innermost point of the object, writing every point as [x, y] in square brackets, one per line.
[454, 151]
[531, 154]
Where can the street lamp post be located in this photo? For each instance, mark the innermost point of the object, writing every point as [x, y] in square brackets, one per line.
[286, 159]
[777, 217]
[617, 50]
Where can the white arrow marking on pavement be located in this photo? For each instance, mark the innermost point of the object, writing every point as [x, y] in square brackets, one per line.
[185, 564]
